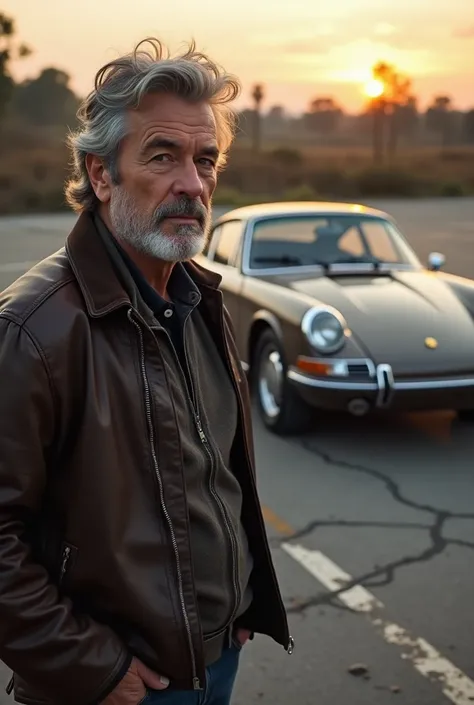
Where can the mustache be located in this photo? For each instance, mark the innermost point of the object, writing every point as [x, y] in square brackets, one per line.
[182, 207]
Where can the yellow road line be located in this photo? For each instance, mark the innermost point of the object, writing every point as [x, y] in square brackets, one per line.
[276, 522]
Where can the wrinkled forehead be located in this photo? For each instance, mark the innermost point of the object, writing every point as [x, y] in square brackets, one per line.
[165, 114]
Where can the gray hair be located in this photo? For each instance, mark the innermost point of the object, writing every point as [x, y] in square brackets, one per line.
[121, 85]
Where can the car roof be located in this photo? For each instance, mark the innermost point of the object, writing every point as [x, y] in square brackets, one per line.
[299, 208]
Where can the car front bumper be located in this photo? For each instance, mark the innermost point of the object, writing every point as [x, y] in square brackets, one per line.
[383, 391]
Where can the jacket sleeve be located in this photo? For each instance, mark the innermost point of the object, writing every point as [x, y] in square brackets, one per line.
[66, 656]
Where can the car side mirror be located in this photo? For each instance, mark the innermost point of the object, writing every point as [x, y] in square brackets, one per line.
[436, 260]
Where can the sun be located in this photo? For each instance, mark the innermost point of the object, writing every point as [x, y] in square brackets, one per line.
[374, 88]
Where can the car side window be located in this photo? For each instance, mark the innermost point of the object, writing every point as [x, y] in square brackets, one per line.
[228, 239]
[213, 236]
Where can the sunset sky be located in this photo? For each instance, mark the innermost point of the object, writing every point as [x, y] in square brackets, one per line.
[298, 48]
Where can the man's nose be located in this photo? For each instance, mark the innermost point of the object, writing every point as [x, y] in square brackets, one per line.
[188, 182]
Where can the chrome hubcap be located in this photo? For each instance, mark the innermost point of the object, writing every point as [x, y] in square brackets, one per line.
[270, 383]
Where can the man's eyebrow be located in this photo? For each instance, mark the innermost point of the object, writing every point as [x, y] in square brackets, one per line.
[167, 143]
[210, 151]
[159, 143]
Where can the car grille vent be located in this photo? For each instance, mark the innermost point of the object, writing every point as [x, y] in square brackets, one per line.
[358, 369]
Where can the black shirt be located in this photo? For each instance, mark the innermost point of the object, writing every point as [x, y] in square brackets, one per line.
[171, 315]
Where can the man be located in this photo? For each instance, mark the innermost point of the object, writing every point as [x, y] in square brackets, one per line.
[134, 563]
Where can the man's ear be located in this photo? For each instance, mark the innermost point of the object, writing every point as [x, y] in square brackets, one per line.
[99, 177]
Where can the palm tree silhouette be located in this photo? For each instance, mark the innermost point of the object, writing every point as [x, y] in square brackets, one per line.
[258, 96]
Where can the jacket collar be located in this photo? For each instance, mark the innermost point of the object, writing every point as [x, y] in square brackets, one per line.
[102, 289]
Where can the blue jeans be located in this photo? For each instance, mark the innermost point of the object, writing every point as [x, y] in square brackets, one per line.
[220, 682]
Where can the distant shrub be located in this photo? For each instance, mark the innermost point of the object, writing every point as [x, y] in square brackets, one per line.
[334, 183]
[54, 201]
[31, 200]
[303, 192]
[34, 166]
[226, 196]
[455, 155]
[387, 182]
[255, 176]
[40, 171]
[287, 156]
[452, 189]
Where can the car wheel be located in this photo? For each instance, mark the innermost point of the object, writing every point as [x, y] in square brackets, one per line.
[280, 407]
[466, 415]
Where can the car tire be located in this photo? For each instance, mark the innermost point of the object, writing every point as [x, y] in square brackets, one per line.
[282, 411]
[466, 415]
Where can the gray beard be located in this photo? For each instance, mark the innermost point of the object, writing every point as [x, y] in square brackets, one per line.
[143, 233]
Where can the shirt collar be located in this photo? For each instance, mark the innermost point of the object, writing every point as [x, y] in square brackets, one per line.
[181, 286]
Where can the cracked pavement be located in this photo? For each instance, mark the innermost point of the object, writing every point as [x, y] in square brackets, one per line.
[385, 574]
[389, 500]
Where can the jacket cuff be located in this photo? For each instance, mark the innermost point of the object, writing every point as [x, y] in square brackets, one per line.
[112, 682]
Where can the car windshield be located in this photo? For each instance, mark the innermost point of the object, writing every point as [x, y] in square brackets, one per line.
[326, 240]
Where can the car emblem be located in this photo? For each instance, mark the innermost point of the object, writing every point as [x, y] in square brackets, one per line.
[431, 343]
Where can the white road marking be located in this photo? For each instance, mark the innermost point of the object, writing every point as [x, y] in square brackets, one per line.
[334, 578]
[17, 266]
[424, 657]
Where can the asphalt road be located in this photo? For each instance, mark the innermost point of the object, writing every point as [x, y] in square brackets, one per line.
[371, 523]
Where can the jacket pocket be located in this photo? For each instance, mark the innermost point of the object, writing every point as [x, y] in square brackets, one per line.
[67, 561]
[145, 698]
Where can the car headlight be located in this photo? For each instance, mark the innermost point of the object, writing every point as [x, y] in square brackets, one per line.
[324, 328]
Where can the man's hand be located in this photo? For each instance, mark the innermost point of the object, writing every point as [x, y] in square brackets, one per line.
[132, 688]
[242, 636]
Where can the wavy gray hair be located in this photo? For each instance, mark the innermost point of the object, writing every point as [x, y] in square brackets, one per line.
[121, 85]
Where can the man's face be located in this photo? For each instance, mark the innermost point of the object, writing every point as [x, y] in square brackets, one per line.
[167, 169]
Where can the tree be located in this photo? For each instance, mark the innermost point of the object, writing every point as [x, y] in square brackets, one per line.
[277, 112]
[395, 110]
[258, 95]
[407, 117]
[468, 126]
[402, 111]
[323, 116]
[439, 118]
[275, 122]
[46, 100]
[9, 50]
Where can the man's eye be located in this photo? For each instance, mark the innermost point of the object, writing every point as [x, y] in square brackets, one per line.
[161, 157]
[207, 162]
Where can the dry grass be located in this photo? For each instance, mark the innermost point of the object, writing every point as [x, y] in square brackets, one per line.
[350, 172]
[34, 166]
[454, 163]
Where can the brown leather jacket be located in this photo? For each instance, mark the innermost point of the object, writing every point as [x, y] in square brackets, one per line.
[95, 560]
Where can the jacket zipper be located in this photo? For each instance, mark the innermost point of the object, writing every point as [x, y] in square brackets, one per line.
[233, 541]
[64, 563]
[291, 642]
[151, 438]
[210, 452]
[193, 404]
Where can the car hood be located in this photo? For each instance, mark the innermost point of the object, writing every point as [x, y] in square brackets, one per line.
[391, 316]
